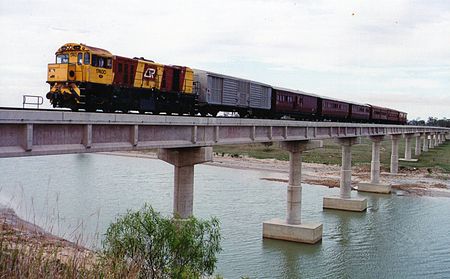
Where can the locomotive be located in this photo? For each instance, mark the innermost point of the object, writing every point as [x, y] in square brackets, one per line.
[91, 78]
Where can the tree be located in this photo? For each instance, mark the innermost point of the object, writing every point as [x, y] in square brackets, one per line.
[152, 246]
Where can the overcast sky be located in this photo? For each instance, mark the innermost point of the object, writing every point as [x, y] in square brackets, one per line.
[387, 53]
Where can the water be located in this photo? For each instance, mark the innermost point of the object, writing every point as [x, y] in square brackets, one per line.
[398, 236]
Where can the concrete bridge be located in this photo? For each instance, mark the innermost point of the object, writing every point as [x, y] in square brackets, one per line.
[186, 141]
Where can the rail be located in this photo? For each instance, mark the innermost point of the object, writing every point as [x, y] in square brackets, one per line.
[38, 102]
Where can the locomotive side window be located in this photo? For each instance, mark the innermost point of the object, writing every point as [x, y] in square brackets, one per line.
[80, 58]
[62, 59]
[102, 62]
[94, 60]
[87, 59]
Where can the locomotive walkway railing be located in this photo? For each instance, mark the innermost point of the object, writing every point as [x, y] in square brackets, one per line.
[38, 100]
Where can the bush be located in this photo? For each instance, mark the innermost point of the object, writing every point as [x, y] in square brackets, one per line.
[152, 246]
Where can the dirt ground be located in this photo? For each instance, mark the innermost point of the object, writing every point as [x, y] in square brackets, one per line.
[417, 182]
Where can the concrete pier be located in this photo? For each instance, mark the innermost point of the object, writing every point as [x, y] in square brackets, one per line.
[425, 143]
[292, 229]
[408, 140]
[345, 201]
[184, 160]
[431, 142]
[374, 186]
[418, 149]
[394, 153]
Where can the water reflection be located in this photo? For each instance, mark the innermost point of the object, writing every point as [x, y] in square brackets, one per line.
[291, 256]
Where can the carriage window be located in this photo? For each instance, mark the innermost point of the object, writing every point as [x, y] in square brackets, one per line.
[62, 59]
[87, 59]
[80, 58]
[119, 68]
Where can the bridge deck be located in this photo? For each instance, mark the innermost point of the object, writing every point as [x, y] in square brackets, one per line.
[28, 132]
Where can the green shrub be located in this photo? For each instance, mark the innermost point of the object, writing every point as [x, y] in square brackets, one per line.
[147, 244]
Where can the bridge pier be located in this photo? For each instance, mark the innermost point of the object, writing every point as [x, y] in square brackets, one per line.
[431, 142]
[418, 150]
[425, 142]
[374, 186]
[184, 160]
[394, 153]
[292, 229]
[408, 138]
[345, 201]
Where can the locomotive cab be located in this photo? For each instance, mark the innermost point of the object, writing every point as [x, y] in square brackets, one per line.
[75, 66]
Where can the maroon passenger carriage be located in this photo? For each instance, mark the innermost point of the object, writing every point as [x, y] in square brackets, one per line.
[359, 112]
[294, 103]
[333, 109]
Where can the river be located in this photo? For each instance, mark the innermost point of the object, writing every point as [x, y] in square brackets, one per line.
[77, 196]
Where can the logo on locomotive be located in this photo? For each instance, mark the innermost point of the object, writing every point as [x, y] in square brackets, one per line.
[150, 73]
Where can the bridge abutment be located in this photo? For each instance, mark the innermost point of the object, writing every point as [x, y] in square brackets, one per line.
[375, 186]
[292, 229]
[345, 201]
[184, 160]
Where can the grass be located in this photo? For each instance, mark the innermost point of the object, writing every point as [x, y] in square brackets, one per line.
[438, 158]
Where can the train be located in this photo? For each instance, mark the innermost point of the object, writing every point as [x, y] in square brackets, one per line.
[90, 79]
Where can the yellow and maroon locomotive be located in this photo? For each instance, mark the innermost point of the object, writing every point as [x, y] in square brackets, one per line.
[90, 78]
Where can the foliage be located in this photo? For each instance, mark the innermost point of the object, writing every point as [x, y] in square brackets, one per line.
[432, 121]
[162, 247]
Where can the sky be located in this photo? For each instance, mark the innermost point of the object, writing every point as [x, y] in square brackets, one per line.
[388, 53]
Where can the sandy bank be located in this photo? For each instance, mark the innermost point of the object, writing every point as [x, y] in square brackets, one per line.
[412, 182]
[17, 233]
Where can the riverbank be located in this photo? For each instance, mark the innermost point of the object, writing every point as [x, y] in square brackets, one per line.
[28, 251]
[410, 181]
